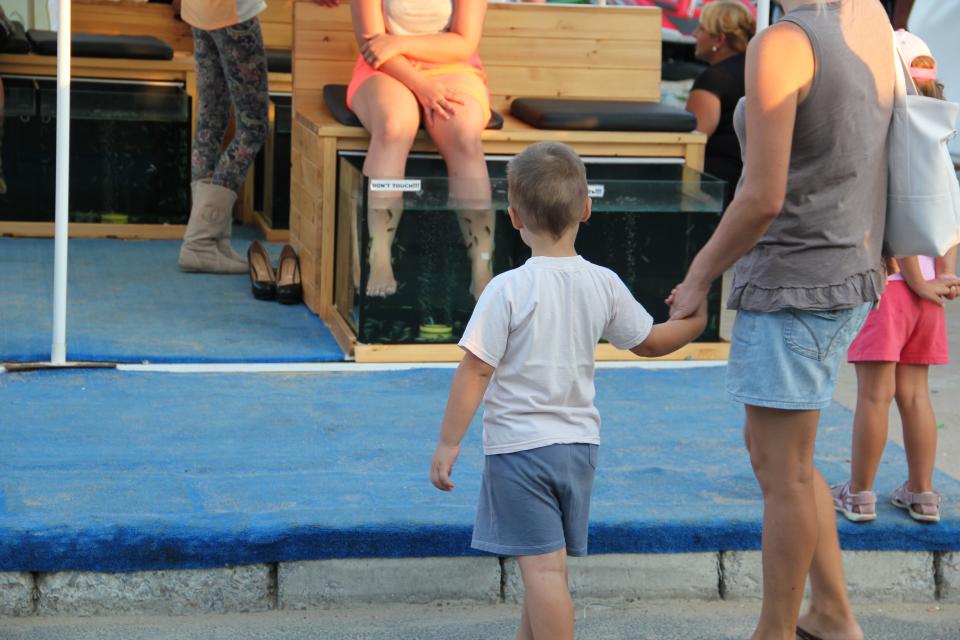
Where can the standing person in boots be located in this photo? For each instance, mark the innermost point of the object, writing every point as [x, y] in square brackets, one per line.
[231, 72]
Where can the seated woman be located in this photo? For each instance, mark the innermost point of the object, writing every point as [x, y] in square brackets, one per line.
[721, 40]
[421, 56]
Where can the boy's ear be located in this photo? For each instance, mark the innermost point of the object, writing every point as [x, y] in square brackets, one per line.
[514, 218]
[588, 210]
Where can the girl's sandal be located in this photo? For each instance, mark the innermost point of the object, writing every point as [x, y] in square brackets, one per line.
[855, 507]
[923, 506]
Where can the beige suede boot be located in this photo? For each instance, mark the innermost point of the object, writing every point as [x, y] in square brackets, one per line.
[206, 241]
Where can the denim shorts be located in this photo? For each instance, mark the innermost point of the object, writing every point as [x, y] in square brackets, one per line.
[789, 359]
[536, 501]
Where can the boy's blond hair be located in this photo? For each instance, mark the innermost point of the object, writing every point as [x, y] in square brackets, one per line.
[547, 185]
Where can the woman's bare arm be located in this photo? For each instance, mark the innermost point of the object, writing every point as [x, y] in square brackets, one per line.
[706, 107]
[774, 89]
[455, 45]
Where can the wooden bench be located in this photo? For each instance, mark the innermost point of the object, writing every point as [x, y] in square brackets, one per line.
[527, 50]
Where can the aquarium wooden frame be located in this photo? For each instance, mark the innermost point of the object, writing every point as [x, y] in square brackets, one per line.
[544, 50]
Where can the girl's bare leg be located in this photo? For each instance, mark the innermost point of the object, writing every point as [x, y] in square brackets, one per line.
[919, 425]
[875, 388]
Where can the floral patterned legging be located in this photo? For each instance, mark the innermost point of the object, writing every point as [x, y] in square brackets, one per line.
[231, 71]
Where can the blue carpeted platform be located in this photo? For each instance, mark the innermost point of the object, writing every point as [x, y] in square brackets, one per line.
[119, 471]
[128, 302]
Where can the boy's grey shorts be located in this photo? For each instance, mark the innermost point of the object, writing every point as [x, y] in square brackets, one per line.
[536, 501]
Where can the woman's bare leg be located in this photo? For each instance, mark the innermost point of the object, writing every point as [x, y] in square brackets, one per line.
[459, 142]
[829, 615]
[795, 520]
[389, 111]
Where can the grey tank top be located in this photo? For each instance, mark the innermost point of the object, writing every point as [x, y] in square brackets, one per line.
[823, 251]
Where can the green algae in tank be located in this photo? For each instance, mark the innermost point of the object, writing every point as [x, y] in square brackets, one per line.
[648, 222]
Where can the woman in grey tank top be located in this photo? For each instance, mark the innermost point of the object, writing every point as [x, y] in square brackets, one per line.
[805, 231]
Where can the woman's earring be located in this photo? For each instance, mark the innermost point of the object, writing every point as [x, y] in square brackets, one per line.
[713, 48]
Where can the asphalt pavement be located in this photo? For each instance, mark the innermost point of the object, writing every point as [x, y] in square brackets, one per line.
[673, 620]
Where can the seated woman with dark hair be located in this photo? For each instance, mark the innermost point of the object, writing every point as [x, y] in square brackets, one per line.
[721, 40]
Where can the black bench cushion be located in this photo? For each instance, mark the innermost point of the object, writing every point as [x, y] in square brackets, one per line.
[278, 60]
[17, 41]
[601, 115]
[335, 95]
[92, 45]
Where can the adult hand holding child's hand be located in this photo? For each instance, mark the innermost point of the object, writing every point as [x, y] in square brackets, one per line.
[687, 299]
[441, 467]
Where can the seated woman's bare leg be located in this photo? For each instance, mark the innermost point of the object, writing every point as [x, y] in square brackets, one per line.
[458, 140]
[389, 111]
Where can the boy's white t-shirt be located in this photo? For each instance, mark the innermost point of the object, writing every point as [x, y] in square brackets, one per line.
[538, 326]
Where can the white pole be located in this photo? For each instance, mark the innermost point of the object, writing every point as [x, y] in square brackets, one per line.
[58, 352]
[763, 15]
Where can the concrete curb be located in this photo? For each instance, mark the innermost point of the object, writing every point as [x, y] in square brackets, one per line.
[872, 576]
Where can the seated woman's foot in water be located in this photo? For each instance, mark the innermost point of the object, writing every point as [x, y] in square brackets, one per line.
[381, 282]
[481, 273]
[477, 229]
[382, 225]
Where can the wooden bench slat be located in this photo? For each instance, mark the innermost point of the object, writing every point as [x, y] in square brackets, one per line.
[508, 82]
[643, 24]
[508, 51]
[277, 35]
[132, 19]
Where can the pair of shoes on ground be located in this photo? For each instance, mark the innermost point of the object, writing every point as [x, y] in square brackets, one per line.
[282, 284]
[861, 506]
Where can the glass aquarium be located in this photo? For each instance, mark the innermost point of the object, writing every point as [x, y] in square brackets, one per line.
[129, 152]
[649, 220]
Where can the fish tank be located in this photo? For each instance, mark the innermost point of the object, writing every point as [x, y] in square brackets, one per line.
[129, 152]
[411, 254]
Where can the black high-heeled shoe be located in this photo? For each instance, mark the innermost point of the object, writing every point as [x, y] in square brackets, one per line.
[289, 285]
[263, 279]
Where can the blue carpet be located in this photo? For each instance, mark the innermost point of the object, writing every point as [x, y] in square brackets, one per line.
[120, 471]
[128, 302]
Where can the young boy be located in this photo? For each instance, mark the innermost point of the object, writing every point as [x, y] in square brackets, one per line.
[532, 338]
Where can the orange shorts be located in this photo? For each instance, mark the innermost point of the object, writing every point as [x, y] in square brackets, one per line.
[477, 90]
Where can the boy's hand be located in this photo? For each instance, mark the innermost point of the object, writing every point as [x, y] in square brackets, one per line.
[441, 467]
[700, 315]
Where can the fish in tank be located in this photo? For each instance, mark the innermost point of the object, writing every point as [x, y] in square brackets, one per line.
[648, 222]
